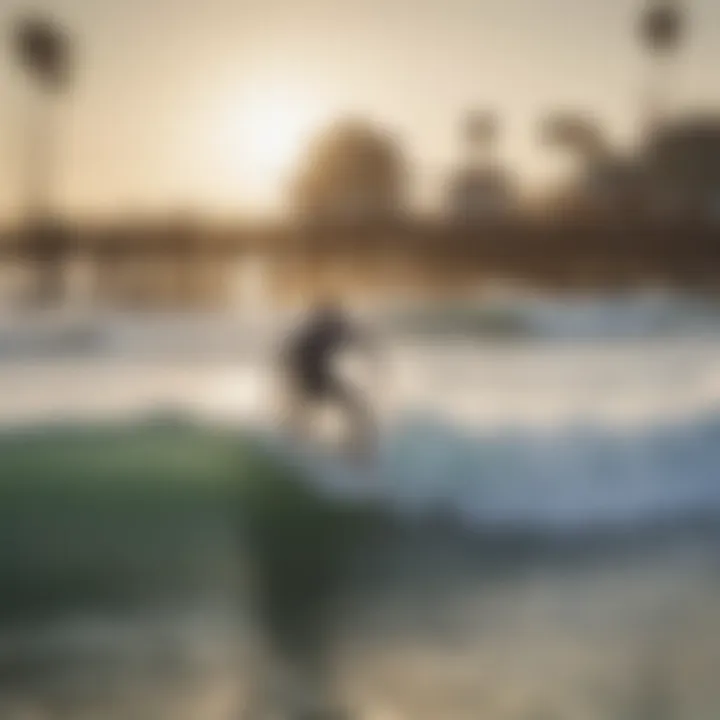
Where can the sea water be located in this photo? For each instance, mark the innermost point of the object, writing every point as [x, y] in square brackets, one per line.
[556, 467]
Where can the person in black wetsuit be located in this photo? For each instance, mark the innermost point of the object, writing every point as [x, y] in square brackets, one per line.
[309, 368]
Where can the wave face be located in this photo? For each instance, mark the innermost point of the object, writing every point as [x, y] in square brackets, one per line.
[602, 412]
[539, 414]
[566, 480]
[492, 315]
[504, 313]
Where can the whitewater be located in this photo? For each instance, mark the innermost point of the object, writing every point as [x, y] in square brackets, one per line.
[503, 411]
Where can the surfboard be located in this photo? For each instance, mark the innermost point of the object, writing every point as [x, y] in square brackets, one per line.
[328, 467]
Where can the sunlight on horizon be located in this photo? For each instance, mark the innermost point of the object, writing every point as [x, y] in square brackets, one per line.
[259, 134]
[179, 104]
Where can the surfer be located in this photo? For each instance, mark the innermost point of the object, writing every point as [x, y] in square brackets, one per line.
[312, 379]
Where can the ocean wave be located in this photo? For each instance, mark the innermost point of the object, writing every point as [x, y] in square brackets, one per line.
[498, 314]
[572, 479]
[516, 314]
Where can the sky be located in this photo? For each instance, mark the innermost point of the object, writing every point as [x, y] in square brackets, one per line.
[207, 105]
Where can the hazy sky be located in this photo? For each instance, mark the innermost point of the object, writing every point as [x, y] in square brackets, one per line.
[207, 102]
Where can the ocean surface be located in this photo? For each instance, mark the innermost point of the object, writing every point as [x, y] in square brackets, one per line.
[553, 466]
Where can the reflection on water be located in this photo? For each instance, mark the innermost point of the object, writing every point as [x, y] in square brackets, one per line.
[610, 631]
[440, 629]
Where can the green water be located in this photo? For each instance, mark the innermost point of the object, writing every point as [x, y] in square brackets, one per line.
[122, 514]
[143, 526]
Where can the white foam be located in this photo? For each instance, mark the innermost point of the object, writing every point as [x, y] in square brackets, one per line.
[551, 431]
[567, 478]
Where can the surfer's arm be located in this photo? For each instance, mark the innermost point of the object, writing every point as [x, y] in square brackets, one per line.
[371, 346]
[362, 338]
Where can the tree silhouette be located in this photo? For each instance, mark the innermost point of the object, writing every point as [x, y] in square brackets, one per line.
[662, 31]
[352, 171]
[43, 52]
[574, 133]
[595, 169]
[480, 135]
[662, 26]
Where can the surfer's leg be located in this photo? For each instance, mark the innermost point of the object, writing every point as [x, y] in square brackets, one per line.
[295, 414]
[362, 435]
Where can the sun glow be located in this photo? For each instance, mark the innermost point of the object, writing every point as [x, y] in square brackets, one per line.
[261, 134]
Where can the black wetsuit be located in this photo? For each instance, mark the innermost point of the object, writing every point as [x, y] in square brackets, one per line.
[309, 367]
[312, 351]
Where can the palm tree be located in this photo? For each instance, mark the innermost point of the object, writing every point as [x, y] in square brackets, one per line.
[661, 31]
[582, 139]
[43, 52]
[481, 134]
[661, 26]
[575, 133]
[480, 188]
[352, 171]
